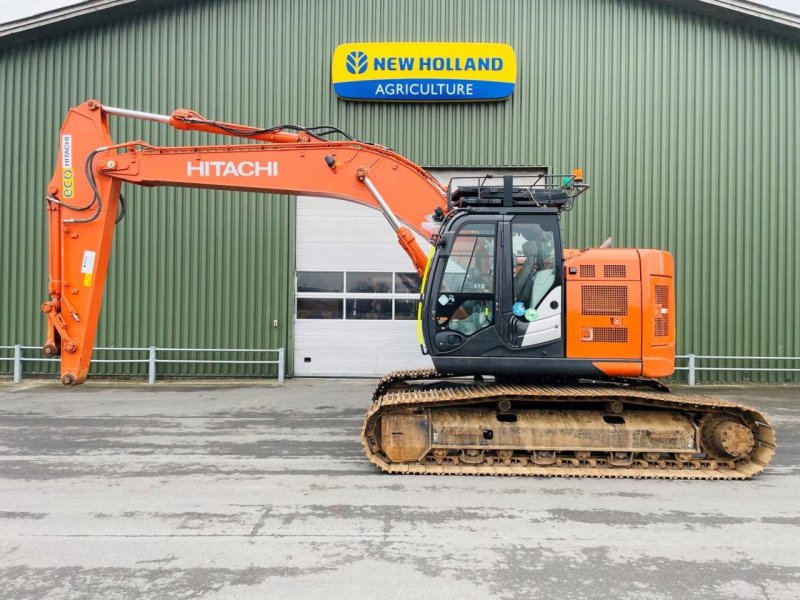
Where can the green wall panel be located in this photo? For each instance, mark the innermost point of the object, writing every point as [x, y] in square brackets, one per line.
[686, 127]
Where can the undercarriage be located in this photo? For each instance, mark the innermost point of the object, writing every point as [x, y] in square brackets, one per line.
[424, 423]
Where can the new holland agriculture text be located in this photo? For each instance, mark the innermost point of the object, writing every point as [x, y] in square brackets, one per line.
[420, 72]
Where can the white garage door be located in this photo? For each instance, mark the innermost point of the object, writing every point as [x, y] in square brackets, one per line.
[356, 294]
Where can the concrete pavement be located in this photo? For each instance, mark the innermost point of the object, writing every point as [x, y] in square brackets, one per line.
[221, 490]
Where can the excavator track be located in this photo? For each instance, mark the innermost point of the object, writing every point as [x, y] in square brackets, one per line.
[438, 426]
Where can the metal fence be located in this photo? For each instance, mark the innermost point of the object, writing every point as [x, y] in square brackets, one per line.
[151, 356]
[152, 359]
[692, 367]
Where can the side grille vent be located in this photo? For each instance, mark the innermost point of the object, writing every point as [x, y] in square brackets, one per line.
[587, 271]
[662, 320]
[604, 300]
[605, 335]
[614, 271]
[662, 295]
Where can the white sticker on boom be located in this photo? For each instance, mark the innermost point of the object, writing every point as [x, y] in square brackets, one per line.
[87, 266]
[66, 151]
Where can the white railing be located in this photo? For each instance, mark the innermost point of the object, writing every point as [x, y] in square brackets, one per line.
[693, 368]
[152, 358]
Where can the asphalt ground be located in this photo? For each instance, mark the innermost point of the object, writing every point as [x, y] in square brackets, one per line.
[262, 491]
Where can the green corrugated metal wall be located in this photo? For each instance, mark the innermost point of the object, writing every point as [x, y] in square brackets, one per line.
[686, 127]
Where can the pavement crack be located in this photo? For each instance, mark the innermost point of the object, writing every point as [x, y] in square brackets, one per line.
[261, 520]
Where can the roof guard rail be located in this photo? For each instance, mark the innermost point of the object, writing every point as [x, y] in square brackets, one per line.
[545, 191]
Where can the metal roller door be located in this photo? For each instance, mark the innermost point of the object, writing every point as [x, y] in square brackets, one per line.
[356, 293]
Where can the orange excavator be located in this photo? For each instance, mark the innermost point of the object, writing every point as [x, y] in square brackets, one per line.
[544, 358]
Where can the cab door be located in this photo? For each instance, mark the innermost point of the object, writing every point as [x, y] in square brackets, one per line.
[461, 304]
[532, 307]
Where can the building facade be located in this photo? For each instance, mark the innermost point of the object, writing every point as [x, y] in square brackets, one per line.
[684, 119]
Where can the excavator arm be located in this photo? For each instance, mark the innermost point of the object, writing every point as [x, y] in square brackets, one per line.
[84, 198]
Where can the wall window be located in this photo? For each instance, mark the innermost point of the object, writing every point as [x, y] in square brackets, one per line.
[407, 283]
[369, 283]
[368, 308]
[319, 308]
[405, 310]
[320, 281]
[357, 295]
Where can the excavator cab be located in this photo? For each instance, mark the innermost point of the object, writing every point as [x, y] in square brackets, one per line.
[494, 298]
[504, 298]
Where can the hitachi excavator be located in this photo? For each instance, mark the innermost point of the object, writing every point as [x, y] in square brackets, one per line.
[545, 359]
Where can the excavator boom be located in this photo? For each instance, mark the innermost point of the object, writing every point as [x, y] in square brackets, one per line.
[84, 196]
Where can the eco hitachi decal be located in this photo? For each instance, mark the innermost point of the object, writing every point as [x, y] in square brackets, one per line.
[419, 72]
[230, 168]
[67, 177]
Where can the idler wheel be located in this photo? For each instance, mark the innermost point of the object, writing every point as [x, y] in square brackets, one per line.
[733, 439]
[725, 436]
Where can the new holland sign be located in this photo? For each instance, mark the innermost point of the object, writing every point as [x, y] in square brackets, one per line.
[420, 72]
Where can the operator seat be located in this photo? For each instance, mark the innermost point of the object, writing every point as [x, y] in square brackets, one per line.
[523, 279]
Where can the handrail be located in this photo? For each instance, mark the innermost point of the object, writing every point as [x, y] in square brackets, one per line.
[152, 358]
[692, 367]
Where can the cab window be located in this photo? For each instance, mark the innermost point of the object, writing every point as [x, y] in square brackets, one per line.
[465, 302]
[534, 262]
